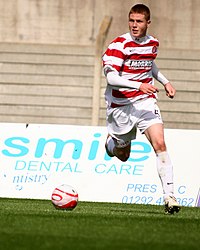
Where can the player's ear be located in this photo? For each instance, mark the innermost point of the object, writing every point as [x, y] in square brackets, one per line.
[148, 22]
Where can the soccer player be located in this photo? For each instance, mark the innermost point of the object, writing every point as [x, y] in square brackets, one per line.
[130, 95]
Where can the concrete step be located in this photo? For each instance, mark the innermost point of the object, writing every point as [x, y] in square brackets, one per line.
[46, 111]
[41, 58]
[57, 80]
[177, 64]
[46, 49]
[41, 90]
[49, 101]
[179, 54]
[15, 118]
[46, 69]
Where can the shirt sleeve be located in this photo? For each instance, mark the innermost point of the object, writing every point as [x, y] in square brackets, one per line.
[158, 75]
[114, 79]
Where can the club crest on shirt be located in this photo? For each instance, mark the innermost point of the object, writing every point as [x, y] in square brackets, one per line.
[154, 49]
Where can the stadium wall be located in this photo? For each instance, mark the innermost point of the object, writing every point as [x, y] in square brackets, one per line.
[175, 23]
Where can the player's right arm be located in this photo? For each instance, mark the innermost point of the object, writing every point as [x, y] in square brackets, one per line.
[114, 79]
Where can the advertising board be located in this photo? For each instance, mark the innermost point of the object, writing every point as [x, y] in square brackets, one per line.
[36, 158]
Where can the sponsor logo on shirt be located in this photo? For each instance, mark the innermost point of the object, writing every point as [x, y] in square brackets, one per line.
[140, 64]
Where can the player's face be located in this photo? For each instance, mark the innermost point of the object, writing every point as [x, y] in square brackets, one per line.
[138, 25]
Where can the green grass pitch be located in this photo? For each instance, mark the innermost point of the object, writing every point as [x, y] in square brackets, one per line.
[35, 224]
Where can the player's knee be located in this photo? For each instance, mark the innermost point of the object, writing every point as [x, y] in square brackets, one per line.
[122, 154]
[160, 146]
[123, 158]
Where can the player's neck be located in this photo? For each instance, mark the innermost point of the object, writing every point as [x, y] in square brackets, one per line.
[139, 39]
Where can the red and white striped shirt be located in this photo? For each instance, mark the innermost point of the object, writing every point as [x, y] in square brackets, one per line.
[132, 59]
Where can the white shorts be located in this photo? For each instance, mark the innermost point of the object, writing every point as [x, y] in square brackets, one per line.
[122, 122]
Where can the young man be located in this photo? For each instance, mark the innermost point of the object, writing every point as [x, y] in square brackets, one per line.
[130, 95]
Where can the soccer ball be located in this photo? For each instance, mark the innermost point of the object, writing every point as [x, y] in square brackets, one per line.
[64, 197]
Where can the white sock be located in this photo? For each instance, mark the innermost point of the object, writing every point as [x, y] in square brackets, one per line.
[165, 172]
[110, 144]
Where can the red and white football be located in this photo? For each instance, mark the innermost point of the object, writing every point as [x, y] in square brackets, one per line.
[64, 197]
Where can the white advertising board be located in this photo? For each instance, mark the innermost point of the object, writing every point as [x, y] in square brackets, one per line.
[36, 158]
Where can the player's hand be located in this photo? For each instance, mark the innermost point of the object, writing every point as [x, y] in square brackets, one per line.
[148, 88]
[170, 90]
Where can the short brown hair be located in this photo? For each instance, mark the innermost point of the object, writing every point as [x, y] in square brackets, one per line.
[142, 9]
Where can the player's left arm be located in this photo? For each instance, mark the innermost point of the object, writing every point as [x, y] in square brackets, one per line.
[169, 89]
